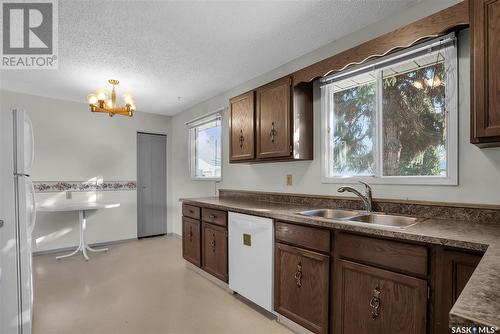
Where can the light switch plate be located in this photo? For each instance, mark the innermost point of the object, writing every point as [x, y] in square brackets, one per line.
[289, 179]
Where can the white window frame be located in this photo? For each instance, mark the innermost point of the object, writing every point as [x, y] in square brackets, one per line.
[214, 116]
[451, 178]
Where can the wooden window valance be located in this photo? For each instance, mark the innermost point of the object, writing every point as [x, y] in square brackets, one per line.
[435, 25]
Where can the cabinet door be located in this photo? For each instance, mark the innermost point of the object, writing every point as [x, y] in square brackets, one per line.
[453, 271]
[368, 300]
[485, 71]
[191, 240]
[241, 127]
[301, 287]
[214, 250]
[273, 119]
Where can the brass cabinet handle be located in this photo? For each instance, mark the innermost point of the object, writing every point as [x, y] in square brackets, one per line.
[298, 275]
[190, 234]
[213, 242]
[212, 216]
[273, 132]
[375, 303]
[242, 139]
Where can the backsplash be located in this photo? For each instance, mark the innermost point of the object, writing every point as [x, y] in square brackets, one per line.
[58, 186]
[474, 213]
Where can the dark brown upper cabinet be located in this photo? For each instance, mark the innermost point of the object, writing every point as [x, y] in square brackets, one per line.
[242, 127]
[485, 72]
[274, 119]
[282, 115]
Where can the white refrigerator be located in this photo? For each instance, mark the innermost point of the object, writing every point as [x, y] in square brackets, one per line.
[17, 217]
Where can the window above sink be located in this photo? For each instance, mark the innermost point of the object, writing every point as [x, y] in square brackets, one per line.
[394, 120]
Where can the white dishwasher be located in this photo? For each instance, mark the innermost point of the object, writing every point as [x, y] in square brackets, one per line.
[251, 258]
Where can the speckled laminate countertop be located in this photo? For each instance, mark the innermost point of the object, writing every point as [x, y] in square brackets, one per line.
[479, 302]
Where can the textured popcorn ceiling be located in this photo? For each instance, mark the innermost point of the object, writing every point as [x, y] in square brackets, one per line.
[160, 50]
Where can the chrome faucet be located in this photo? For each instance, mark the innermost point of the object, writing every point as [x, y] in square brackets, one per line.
[366, 198]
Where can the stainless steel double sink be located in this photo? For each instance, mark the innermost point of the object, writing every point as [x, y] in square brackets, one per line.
[362, 217]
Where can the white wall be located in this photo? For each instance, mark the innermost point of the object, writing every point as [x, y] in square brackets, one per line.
[479, 177]
[73, 144]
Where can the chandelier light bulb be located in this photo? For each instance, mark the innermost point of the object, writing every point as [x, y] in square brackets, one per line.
[128, 99]
[102, 94]
[109, 104]
[92, 99]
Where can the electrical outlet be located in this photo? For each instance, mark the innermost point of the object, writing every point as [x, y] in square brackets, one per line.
[289, 179]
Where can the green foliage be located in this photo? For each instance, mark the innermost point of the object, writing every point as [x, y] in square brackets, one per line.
[427, 165]
[413, 124]
[414, 121]
[354, 121]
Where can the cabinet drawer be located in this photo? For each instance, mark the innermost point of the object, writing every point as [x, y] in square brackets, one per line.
[190, 211]
[385, 253]
[217, 217]
[308, 237]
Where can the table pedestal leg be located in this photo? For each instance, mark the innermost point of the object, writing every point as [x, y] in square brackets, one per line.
[82, 246]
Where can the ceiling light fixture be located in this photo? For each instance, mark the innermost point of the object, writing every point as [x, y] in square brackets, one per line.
[100, 102]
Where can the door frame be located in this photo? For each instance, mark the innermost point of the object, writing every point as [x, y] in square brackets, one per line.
[146, 132]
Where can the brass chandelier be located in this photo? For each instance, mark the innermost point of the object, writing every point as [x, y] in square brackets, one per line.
[101, 102]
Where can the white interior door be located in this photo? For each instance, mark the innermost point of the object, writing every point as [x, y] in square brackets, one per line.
[151, 185]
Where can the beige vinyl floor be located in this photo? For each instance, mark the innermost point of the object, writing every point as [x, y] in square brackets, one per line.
[140, 286]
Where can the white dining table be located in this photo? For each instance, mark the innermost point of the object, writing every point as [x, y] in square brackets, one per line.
[81, 208]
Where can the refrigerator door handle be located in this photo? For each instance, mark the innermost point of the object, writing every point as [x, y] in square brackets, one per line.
[32, 143]
[33, 207]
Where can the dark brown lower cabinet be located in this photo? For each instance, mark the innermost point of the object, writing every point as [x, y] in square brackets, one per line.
[214, 250]
[301, 286]
[191, 240]
[369, 300]
[454, 269]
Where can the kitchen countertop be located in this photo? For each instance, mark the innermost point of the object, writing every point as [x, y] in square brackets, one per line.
[479, 302]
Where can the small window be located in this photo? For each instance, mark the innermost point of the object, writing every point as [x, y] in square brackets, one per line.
[205, 147]
[395, 120]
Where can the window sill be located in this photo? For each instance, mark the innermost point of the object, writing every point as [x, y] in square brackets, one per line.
[395, 180]
[216, 179]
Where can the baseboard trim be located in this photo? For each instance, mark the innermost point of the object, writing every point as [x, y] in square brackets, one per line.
[293, 326]
[209, 277]
[70, 248]
[175, 235]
